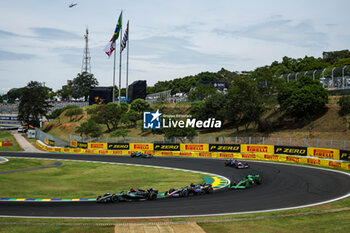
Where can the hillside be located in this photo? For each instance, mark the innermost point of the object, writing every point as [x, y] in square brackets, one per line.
[329, 125]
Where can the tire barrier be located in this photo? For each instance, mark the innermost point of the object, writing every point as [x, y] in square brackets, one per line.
[332, 158]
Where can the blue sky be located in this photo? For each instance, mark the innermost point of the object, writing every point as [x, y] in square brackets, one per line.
[43, 40]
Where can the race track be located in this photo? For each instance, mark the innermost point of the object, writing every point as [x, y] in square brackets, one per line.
[284, 186]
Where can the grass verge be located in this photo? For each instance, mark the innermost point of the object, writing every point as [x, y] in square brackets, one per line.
[84, 179]
[5, 136]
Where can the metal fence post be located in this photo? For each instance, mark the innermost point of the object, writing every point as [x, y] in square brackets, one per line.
[250, 140]
[263, 140]
[278, 141]
[236, 140]
[304, 142]
[290, 141]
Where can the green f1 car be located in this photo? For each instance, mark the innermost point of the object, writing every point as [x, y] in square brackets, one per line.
[246, 182]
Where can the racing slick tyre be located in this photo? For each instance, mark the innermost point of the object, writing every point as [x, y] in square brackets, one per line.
[171, 190]
[133, 154]
[114, 199]
[166, 193]
[152, 196]
[184, 193]
[257, 180]
[209, 190]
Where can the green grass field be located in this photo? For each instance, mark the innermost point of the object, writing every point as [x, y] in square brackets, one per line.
[85, 180]
[6, 135]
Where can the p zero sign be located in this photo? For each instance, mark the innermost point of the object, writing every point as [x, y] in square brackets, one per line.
[166, 147]
[118, 146]
[224, 148]
[291, 150]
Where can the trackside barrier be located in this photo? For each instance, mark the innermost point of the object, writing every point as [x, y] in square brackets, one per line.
[320, 157]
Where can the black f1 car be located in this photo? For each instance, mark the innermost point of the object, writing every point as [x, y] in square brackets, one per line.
[133, 194]
[140, 155]
[193, 189]
[235, 163]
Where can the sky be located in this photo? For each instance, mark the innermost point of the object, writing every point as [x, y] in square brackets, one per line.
[43, 40]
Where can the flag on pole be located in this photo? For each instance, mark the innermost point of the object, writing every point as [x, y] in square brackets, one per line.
[111, 44]
[125, 37]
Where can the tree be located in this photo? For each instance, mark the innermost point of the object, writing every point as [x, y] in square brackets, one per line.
[245, 102]
[120, 133]
[109, 114]
[180, 132]
[201, 92]
[90, 128]
[81, 85]
[303, 98]
[130, 118]
[344, 103]
[33, 103]
[13, 94]
[139, 105]
[66, 92]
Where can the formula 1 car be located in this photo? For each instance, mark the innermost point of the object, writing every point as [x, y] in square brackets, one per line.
[133, 194]
[140, 155]
[247, 182]
[235, 163]
[193, 189]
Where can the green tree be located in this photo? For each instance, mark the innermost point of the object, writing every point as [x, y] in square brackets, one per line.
[344, 103]
[180, 132]
[201, 91]
[13, 94]
[89, 128]
[303, 98]
[81, 85]
[33, 103]
[108, 114]
[66, 92]
[245, 102]
[120, 133]
[139, 105]
[130, 118]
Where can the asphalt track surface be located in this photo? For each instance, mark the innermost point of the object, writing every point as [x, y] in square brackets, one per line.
[284, 186]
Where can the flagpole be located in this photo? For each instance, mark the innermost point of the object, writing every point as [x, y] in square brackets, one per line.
[120, 57]
[113, 95]
[127, 63]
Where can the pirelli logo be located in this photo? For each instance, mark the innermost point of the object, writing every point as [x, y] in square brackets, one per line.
[314, 161]
[291, 150]
[185, 153]
[201, 154]
[118, 146]
[324, 153]
[248, 156]
[257, 149]
[224, 148]
[271, 157]
[334, 164]
[292, 159]
[167, 147]
[226, 155]
[97, 145]
[194, 147]
[141, 147]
